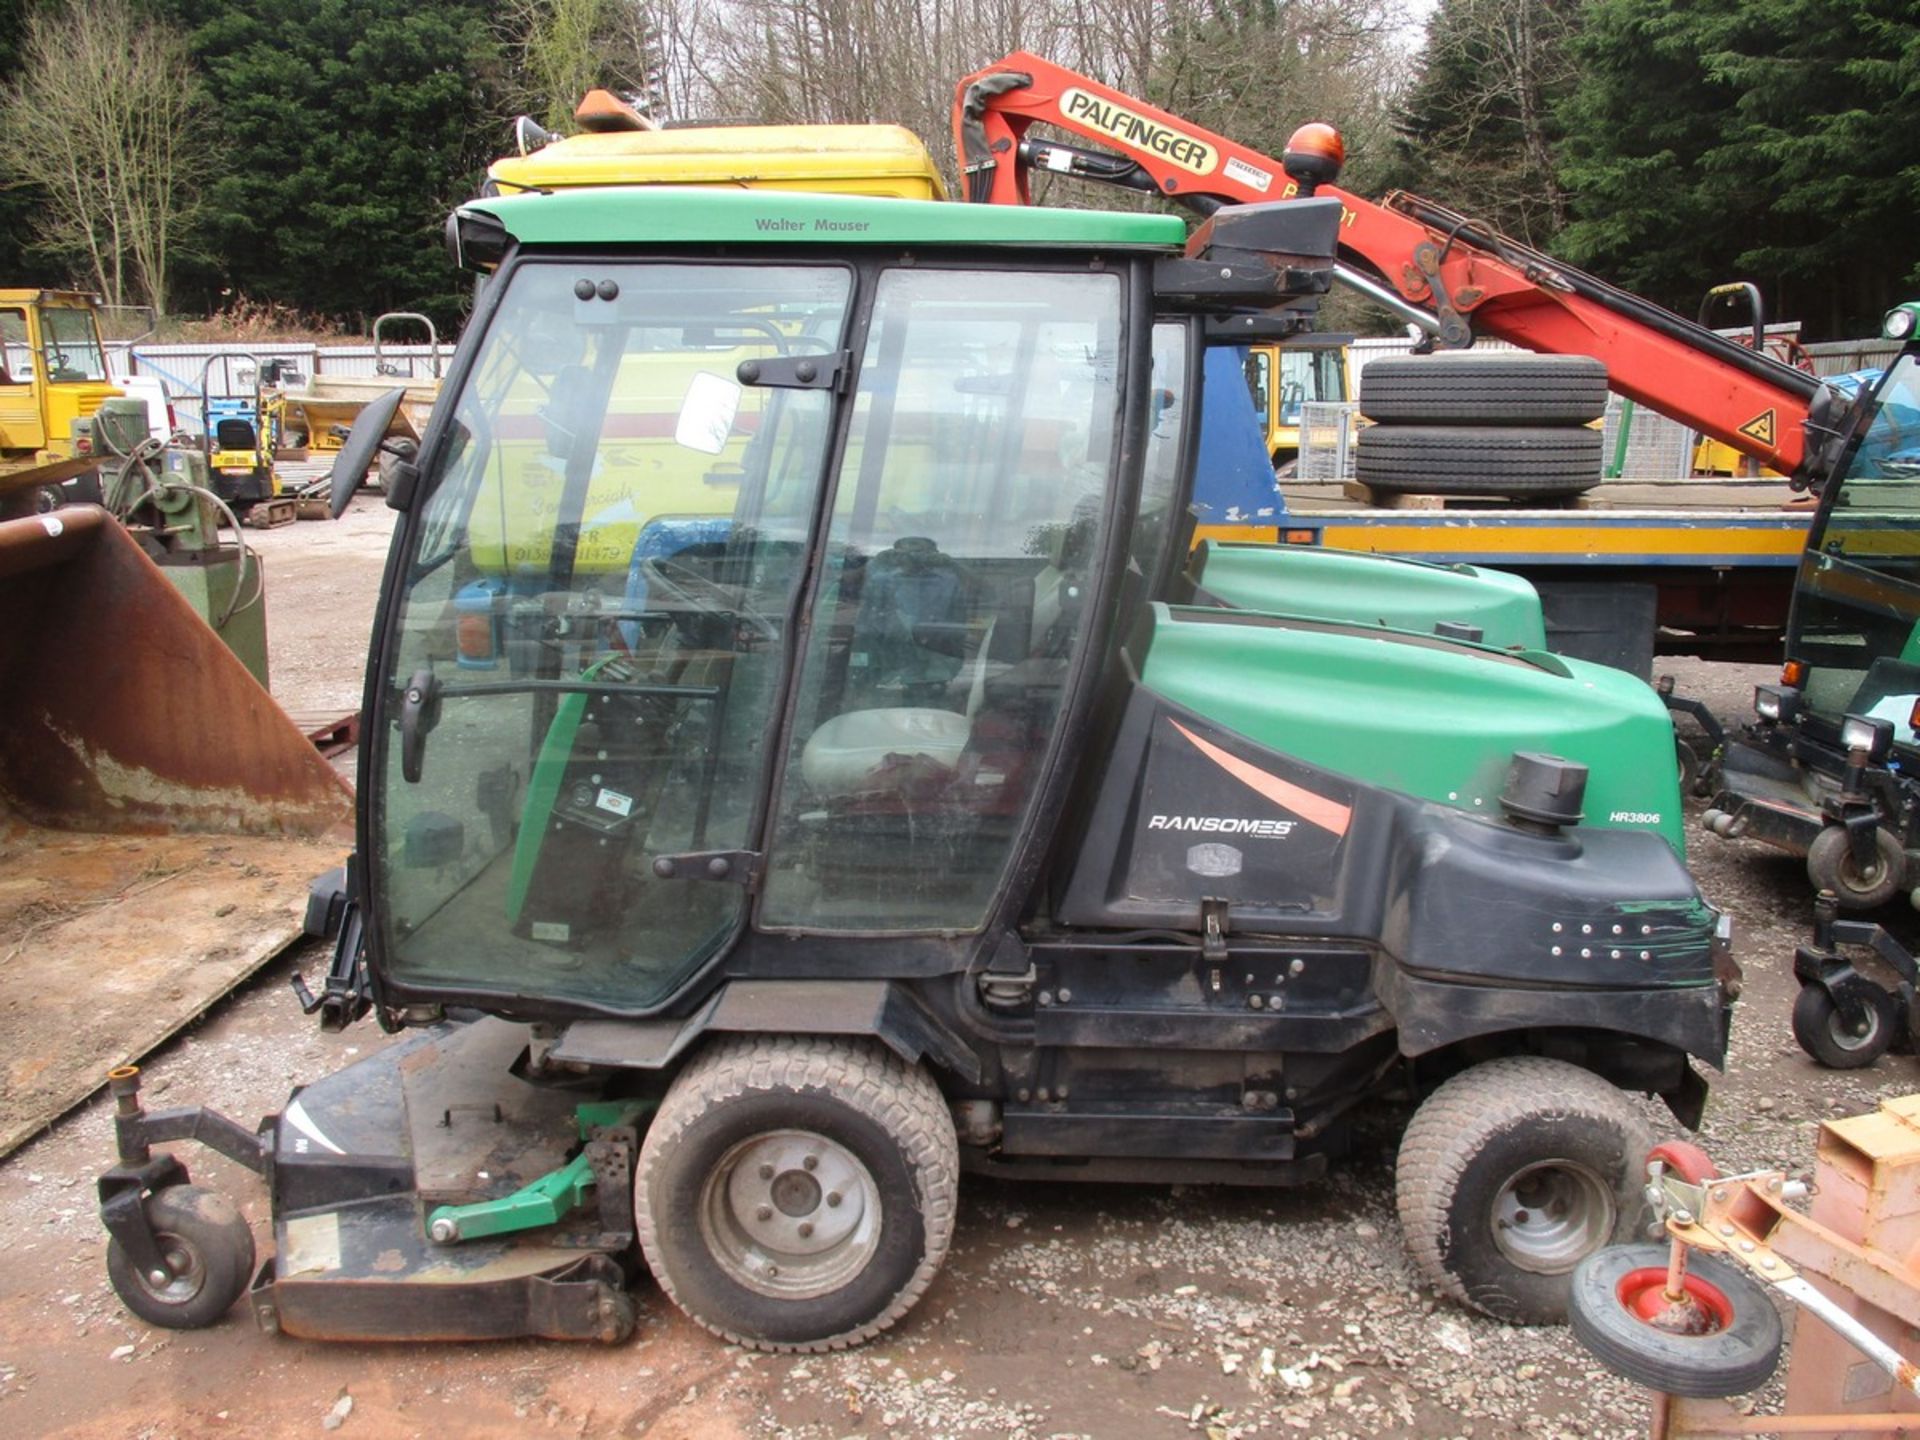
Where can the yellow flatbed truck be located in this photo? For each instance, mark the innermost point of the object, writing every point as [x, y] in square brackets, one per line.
[1701, 567]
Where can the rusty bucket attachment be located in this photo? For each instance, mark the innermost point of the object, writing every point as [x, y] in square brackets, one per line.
[160, 817]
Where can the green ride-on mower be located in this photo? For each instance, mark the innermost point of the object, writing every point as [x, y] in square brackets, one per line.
[1830, 769]
[794, 774]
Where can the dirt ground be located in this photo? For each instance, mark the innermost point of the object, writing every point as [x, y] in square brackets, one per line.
[1063, 1310]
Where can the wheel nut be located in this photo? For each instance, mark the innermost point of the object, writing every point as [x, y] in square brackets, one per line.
[812, 1162]
[806, 1229]
[766, 1172]
[765, 1212]
[833, 1197]
[773, 1272]
[159, 1277]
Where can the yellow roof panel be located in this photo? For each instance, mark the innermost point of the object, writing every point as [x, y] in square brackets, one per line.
[847, 159]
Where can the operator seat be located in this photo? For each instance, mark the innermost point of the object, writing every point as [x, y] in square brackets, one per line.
[915, 633]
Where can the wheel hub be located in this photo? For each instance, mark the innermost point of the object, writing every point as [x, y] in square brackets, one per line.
[1549, 1217]
[184, 1275]
[791, 1214]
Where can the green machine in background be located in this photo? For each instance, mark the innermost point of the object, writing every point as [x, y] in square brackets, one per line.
[162, 495]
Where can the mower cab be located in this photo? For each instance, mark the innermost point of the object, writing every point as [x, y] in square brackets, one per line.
[785, 725]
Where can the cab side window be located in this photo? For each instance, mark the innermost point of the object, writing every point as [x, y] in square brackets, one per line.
[965, 523]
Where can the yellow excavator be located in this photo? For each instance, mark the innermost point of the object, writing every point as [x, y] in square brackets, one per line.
[53, 373]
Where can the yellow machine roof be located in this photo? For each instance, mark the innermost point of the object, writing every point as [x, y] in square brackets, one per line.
[79, 299]
[836, 159]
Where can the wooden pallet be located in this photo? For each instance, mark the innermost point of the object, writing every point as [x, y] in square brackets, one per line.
[1412, 500]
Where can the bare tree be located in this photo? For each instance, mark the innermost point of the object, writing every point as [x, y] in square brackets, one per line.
[1494, 71]
[564, 48]
[100, 119]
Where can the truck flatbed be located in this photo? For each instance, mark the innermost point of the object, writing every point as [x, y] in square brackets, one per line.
[1715, 559]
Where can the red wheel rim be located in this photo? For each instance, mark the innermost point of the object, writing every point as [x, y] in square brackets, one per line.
[1643, 1294]
[1686, 1160]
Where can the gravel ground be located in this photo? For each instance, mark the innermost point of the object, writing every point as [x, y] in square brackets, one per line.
[1063, 1311]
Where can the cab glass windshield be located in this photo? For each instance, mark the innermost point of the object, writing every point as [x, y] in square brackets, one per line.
[72, 347]
[591, 633]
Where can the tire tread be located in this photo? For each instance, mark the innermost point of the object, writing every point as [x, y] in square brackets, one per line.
[1484, 460]
[1445, 1134]
[1484, 388]
[902, 1098]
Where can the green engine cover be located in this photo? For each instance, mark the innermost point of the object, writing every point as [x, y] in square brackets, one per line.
[1434, 718]
[1373, 590]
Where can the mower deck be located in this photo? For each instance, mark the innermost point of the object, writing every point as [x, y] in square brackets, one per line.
[358, 1164]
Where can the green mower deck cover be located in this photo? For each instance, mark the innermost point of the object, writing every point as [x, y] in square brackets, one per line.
[1373, 590]
[1434, 718]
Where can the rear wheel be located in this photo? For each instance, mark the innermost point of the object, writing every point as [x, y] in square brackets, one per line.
[209, 1254]
[1478, 460]
[1726, 1340]
[1845, 1034]
[1831, 866]
[1511, 1174]
[797, 1194]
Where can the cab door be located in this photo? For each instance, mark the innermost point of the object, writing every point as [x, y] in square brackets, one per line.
[587, 629]
[960, 547]
[22, 426]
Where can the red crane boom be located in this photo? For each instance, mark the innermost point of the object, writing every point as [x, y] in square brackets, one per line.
[1426, 262]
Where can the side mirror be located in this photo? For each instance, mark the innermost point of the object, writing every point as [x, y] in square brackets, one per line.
[356, 453]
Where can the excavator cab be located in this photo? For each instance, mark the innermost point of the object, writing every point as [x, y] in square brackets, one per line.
[1286, 378]
[54, 373]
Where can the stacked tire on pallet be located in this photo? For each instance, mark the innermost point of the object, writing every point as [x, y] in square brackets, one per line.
[1472, 423]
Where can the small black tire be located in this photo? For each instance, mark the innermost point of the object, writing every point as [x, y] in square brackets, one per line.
[1831, 866]
[1739, 1355]
[1478, 460]
[210, 1249]
[1687, 763]
[1847, 1035]
[1467, 388]
[1512, 1173]
[797, 1194]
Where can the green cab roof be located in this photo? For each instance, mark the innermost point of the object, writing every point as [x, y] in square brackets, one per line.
[661, 214]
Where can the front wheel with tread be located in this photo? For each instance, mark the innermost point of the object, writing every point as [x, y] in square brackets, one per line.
[1512, 1173]
[209, 1250]
[797, 1194]
[1849, 1035]
[1616, 1289]
[1831, 866]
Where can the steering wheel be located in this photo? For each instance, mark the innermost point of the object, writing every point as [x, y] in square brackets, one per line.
[683, 585]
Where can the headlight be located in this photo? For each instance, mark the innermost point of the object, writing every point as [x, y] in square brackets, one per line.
[1858, 732]
[1776, 702]
[1900, 322]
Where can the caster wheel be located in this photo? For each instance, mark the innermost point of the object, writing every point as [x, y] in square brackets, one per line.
[209, 1252]
[1831, 866]
[1849, 1035]
[1618, 1293]
[1686, 1160]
